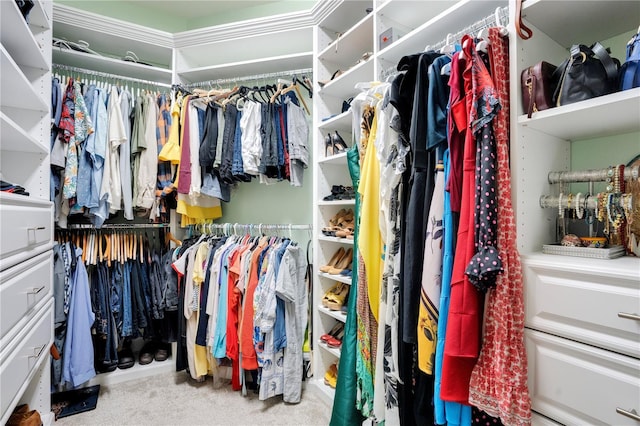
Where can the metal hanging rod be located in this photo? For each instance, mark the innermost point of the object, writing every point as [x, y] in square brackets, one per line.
[68, 68]
[590, 203]
[73, 226]
[500, 16]
[247, 228]
[256, 77]
[599, 175]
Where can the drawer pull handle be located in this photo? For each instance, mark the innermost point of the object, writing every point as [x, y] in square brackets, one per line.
[631, 414]
[37, 228]
[35, 290]
[37, 351]
[629, 316]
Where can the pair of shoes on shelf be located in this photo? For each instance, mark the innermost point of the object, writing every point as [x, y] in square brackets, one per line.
[22, 416]
[333, 338]
[151, 351]
[336, 298]
[340, 261]
[125, 356]
[337, 222]
[335, 75]
[334, 144]
[340, 192]
[331, 376]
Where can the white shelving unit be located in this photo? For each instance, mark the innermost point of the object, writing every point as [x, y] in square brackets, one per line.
[571, 346]
[26, 272]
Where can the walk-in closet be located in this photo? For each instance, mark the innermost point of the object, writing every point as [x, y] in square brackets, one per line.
[311, 212]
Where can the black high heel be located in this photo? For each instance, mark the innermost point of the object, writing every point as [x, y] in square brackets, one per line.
[338, 143]
[329, 148]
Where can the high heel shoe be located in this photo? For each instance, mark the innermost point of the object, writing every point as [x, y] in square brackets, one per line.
[328, 146]
[343, 263]
[337, 300]
[339, 145]
[337, 257]
[335, 75]
[333, 332]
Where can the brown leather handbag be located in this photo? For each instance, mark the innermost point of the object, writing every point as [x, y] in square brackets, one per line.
[538, 85]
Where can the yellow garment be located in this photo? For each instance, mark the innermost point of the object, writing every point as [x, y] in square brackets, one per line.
[199, 207]
[369, 237]
[199, 264]
[171, 150]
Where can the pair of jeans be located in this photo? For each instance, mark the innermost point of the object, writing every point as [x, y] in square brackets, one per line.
[127, 317]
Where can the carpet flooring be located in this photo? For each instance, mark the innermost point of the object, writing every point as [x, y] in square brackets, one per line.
[175, 399]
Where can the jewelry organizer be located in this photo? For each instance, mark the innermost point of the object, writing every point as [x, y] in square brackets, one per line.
[611, 208]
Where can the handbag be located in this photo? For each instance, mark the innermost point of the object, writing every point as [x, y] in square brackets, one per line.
[538, 86]
[630, 70]
[589, 72]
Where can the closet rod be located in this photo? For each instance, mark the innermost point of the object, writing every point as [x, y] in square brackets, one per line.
[248, 227]
[499, 17]
[599, 175]
[117, 226]
[265, 76]
[62, 67]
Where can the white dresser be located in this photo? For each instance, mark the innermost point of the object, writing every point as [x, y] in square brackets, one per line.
[26, 222]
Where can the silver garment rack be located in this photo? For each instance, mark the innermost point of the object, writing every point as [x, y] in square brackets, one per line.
[88, 72]
[256, 77]
[247, 228]
[501, 14]
[73, 226]
[599, 175]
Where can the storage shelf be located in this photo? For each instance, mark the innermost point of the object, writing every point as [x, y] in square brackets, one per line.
[339, 278]
[344, 16]
[627, 267]
[349, 47]
[333, 314]
[590, 22]
[584, 120]
[333, 351]
[344, 86]
[336, 240]
[17, 38]
[17, 91]
[243, 68]
[460, 15]
[14, 138]
[134, 373]
[341, 121]
[408, 13]
[340, 158]
[110, 65]
[337, 203]
[39, 17]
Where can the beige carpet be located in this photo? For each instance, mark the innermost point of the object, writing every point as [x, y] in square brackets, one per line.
[175, 399]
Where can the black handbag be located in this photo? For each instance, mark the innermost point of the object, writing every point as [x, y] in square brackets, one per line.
[589, 72]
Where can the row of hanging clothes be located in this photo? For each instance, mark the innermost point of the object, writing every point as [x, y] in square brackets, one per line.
[110, 286]
[243, 303]
[439, 308]
[235, 135]
[105, 137]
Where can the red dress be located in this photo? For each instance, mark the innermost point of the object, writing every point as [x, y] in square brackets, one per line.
[499, 380]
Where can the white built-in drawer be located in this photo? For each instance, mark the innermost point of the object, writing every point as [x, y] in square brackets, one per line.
[19, 362]
[577, 384]
[22, 288]
[27, 228]
[589, 300]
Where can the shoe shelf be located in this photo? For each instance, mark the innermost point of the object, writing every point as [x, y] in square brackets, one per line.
[344, 86]
[336, 239]
[333, 314]
[14, 138]
[403, 15]
[350, 46]
[340, 158]
[341, 121]
[17, 90]
[18, 38]
[339, 278]
[337, 203]
[333, 351]
[582, 120]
